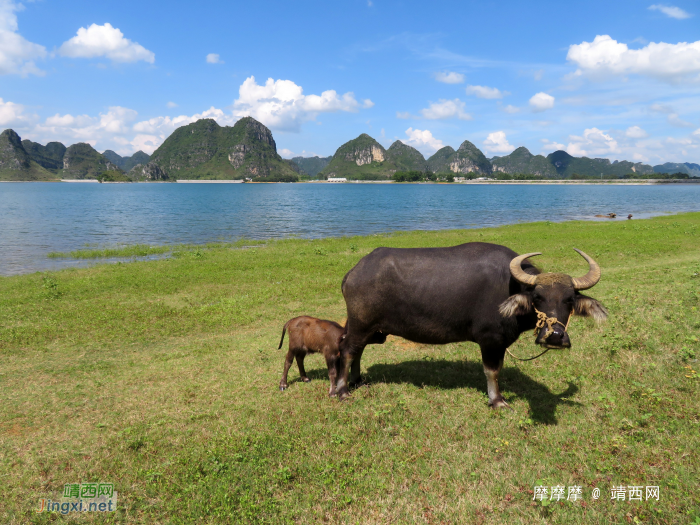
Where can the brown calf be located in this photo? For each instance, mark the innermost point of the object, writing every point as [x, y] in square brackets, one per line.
[308, 335]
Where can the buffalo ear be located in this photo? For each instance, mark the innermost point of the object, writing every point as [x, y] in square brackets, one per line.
[518, 304]
[589, 307]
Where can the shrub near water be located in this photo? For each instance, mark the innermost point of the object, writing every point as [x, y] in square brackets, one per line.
[161, 377]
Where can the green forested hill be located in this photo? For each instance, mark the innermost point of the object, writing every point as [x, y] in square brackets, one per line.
[15, 162]
[522, 161]
[205, 150]
[311, 165]
[405, 157]
[49, 157]
[126, 163]
[467, 159]
[360, 158]
[82, 161]
[568, 166]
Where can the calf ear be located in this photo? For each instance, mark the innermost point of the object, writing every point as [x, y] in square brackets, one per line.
[589, 307]
[518, 304]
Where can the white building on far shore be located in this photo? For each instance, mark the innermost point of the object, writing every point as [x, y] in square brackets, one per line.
[337, 179]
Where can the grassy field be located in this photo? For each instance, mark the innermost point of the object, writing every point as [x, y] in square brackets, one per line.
[161, 377]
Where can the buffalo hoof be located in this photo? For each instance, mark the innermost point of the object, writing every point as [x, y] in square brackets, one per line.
[332, 393]
[306, 379]
[357, 383]
[283, 388]
[342, 396]
[499, 403]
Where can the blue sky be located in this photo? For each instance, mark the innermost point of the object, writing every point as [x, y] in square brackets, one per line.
[603, 79]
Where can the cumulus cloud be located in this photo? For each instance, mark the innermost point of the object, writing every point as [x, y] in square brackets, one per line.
[171, 105]
[17, 54]
[671, 11]
[607, 57]
[449, 77]
[445, 109]
[422, 140]
[550, 145]
[486, 92]
[282, 105]
[13, 115]
[497, 142]
[511, 109]
[286, 153]
[541, 102]
[105, 41]
[108, 130]
[593, 142]
[213, 58]
[635, 132]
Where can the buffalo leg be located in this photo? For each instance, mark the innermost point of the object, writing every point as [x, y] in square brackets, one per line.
[332, 374]
[287, 363]
[300, 364]
[493, 363]
[348, 353]
[355, 375]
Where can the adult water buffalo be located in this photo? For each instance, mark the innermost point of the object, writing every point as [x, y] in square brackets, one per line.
[477, 292]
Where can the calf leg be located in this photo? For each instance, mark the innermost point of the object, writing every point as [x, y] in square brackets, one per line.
[493, 362]
[300, 364]
[287, 363]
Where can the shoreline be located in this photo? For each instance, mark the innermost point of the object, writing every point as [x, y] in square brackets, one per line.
[603, 182]
[62, 261]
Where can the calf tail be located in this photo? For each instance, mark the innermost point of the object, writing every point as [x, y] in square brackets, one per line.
[283, 332]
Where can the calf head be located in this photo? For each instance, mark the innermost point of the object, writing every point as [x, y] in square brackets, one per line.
[555, 297]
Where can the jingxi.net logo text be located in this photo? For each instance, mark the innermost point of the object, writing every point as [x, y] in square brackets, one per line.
[82, 497]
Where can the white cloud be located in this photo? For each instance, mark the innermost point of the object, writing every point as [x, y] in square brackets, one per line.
[403, 115]
[171, 105]
[549, 146]
[286, 153]
[607, 57]
[486, 92]
[449, 77]
[593, 142]
[635, 132]
[110, 130]
[13, 115]
[17, 54]
[282, 105]
[105, 41]
[422, 140]
[537, 75]
[497, 142]
[511, 109]
[445, 109]
[541, 102]
[671, 11]
[213, 58]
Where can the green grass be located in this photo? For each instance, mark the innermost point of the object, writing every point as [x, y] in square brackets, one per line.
[161, 377]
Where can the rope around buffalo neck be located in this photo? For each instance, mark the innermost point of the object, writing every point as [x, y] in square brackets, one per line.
[542, 320]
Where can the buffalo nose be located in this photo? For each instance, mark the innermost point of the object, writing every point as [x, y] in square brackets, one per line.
[557, 338]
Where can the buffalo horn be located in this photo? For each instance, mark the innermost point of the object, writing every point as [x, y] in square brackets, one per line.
[590, 279]
[516, 269]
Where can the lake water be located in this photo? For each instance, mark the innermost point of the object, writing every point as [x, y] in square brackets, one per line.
[38, 218]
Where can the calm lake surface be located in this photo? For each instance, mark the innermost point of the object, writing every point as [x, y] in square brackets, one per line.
[38, 218]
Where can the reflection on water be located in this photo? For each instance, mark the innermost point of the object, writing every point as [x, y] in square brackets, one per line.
[39, 218]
